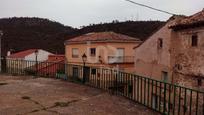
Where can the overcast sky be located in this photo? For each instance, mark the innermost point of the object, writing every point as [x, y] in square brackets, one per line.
[77, 13]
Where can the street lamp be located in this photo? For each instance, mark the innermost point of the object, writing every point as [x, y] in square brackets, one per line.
[84, 59]
[36, 61]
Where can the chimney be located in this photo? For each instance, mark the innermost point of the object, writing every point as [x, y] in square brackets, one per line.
[8, 53]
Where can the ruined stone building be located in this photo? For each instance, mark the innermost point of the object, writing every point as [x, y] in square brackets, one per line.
[174, 53]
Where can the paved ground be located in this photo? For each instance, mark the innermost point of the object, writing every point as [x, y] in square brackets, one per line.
[41, 96]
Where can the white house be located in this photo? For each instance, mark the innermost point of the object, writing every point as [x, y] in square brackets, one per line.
[30, 55]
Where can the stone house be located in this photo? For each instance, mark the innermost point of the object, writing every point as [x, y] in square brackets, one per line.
[175, 52]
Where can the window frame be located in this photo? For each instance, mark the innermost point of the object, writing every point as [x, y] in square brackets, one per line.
[93, 53]
[167, 75]
[199, 82]
[194, 40]
[75, 56]
[93, 71]
[160, 43]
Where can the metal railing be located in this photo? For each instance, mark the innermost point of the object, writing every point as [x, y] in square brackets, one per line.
[165, 98]
[120, 59]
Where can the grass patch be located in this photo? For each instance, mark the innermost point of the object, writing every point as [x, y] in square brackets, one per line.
[25, 97]
[3, 83]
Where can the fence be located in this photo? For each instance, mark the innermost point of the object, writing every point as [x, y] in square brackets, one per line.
[159, 96]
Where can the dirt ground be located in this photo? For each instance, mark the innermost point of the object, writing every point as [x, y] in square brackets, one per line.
[27, 96]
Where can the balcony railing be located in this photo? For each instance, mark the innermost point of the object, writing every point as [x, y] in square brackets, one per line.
[120, 59]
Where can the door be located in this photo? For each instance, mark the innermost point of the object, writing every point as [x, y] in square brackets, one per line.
[165, 76]
[120, 55]
[75, 72]
[86, 73]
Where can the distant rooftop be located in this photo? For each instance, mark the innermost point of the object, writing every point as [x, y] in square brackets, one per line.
[195, 20]
[22, 54]
[103, 37]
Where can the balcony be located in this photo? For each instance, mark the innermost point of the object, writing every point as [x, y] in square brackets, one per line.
[120, 59]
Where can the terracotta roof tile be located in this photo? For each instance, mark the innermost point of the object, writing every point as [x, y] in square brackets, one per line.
[196, 20]
[103, 37]
[22, 54]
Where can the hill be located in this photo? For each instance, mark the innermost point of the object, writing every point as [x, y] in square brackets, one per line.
[138, 29]
[25, 33]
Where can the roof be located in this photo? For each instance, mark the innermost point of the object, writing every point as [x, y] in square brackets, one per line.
[195, 20]
[102, 37]
[55, 58]
[22, 54]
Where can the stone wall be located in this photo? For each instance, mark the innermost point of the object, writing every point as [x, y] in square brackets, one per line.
[187, 60]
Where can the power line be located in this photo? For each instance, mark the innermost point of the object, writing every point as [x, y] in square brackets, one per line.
[150, 7]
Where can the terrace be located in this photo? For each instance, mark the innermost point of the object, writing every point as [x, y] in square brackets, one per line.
[159, 96]
[24, 95]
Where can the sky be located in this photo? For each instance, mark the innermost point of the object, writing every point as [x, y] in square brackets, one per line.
[77, 13]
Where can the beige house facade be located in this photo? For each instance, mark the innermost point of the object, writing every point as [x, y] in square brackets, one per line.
[175, 52]
[103, 49]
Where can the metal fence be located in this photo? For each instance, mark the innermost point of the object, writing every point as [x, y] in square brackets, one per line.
[165, 98]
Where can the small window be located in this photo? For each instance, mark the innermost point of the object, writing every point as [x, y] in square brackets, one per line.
[194, 40]
[165, 76]
[75, 53]
[160, 43]
[199, 82]
[93, 71]
[178, 67]
[93, 51]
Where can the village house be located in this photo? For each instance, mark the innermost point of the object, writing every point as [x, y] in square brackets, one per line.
[102, 49]
[175, 52]
[30, 55]
[27, 58]
[51, 67]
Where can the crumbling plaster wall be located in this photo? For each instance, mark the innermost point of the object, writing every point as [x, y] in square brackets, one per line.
[187, 61]
[150, 60]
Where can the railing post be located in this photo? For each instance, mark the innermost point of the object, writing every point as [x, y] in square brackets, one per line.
[3, 65]
[84, 79]
[36, 67]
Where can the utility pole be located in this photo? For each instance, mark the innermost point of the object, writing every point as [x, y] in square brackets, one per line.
[1, 34]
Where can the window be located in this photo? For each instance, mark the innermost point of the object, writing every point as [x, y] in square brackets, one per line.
[75, 53]
[93, 71]
[165, 76]
[93, 51]
[160, 43]
[194, 41]
[178, 67]
[75, 72]
[199, 82]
